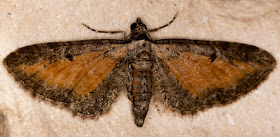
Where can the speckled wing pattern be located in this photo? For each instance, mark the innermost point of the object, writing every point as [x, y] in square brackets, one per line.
[84, 75]
[194, 74]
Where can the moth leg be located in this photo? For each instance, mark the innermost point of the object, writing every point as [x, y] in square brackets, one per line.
[101, 31]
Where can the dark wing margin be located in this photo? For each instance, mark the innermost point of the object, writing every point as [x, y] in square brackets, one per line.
[192, 75]
[85, 76]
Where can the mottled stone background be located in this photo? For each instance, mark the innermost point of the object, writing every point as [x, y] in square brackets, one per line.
[253, 22]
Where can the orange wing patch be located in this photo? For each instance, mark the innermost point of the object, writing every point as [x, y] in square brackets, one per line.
[83, 74]
[198, 74]
[32, 69]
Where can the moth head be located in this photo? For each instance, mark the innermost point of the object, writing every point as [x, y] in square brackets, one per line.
[138, 26]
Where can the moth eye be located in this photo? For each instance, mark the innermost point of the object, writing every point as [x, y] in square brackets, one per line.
[133, 26]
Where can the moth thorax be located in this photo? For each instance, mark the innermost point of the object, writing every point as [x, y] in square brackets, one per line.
[140, 55]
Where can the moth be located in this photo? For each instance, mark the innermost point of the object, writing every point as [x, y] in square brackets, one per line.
[184, 75]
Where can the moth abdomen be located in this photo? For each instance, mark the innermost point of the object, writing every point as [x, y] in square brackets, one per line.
[139, 91]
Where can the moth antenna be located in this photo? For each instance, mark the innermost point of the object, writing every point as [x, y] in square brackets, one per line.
[156, 29]
[101, 31]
